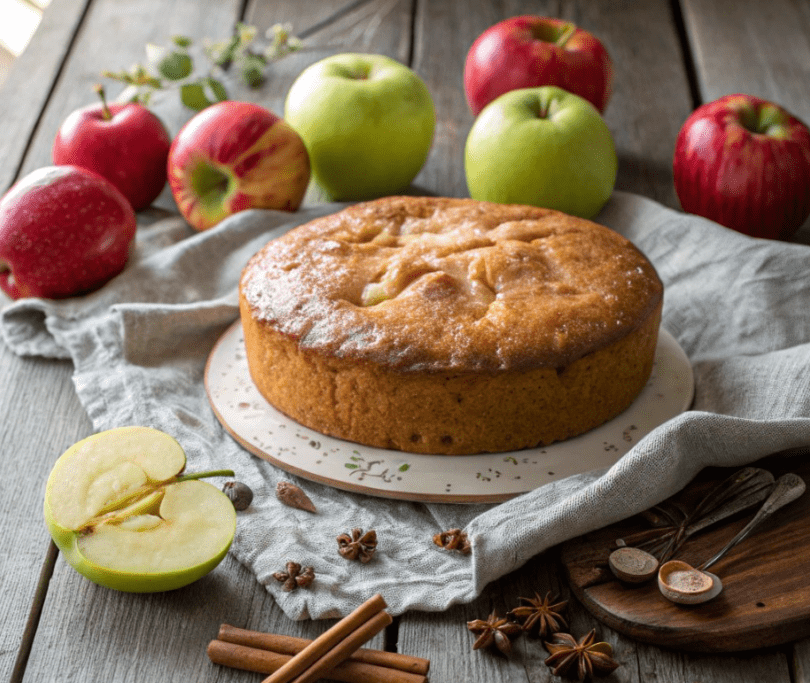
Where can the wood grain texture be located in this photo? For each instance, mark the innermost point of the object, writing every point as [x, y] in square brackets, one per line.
[113, 36]
[41, 390]
[88, 633]
[651, 90]
[26, 91]
[328, 28]
[760, 49]
[446, 641]
[766, 590]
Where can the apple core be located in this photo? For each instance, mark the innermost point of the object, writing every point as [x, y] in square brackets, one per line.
[123, 515]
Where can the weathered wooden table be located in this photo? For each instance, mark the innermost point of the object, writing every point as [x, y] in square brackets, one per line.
[669, 56]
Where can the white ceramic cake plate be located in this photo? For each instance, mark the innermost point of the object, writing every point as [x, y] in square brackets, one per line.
[274, 437]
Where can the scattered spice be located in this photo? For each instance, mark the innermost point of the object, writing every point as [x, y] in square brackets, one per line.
[294, 577]
[541, 615]
[294, 496]
[580, 659]
[359, 546]
[495, 630]
[239, 494]
[453, 539]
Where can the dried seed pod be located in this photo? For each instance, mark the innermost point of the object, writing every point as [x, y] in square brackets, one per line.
[454, 539]
[494, 630]
[581, 659]
[292, 495]
[294, 577]
[240, 494]
[359, 546]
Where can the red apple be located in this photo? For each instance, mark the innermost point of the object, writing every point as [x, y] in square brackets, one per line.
[744, 162]
[63, 231]
[124, 143]
[529, 51]
[234, 156]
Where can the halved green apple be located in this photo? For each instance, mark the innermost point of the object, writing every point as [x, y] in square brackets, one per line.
[118, 508]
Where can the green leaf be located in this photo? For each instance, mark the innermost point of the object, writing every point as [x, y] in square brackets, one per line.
[404, 468]
[192, 95]
[202, 93]
[350, 466]
[252, 69]
[216, 90]
[182, 41]
[175, 66]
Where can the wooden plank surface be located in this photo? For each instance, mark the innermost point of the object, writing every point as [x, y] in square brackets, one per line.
[760, 49]
[89, 633]
[766, 592]
[28, 86]
[754, 48]
[38, 389]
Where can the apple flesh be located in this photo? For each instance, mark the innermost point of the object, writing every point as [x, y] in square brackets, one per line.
[118, 509]
[744, 162]
[530, 51]
[64, 231]
[542, 147]
[367, 121]
[234, 156]
[124, 143]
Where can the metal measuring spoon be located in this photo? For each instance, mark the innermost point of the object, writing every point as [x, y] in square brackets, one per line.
[743, 489]
[684, 584]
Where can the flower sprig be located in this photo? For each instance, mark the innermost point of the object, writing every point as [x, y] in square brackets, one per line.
[176, 66]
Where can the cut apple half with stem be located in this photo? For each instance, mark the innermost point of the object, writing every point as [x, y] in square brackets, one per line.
[122, 513]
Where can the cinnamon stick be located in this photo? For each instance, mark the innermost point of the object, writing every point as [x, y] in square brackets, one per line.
[340, 652]
[290, 645]
[266, 662]
[331, 639]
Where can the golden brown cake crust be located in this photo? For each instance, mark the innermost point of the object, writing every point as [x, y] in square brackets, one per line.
[461, 285]
[450, 326]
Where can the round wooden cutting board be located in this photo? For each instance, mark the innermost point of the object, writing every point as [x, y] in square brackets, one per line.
[766, 578]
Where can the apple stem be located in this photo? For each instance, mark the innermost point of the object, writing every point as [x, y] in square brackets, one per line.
[201, 475]
[105, 110]
[566, 34]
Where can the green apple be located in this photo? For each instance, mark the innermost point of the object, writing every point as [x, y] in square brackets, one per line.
[543, 147]
[123, 516]
[367, 122]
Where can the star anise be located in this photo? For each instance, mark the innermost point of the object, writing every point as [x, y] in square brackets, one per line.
[358, 546]
[581, 659]
[294, 577]
[542, 615]
[453, 539]
[496, 630]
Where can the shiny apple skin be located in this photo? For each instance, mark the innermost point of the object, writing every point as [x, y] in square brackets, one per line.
[64, 231]
[262, 161]
[757, 183]
[508, 56]
[129, 149]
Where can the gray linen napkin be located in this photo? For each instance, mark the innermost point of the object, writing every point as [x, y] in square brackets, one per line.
[739, 307]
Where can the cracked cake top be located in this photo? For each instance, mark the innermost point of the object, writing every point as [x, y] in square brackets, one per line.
[439, 284]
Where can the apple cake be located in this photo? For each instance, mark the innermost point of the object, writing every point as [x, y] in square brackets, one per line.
[450, 326]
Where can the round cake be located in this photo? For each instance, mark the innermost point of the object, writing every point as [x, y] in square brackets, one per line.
[450, 326]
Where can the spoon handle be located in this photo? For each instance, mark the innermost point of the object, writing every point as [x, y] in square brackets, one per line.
[787, 489]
